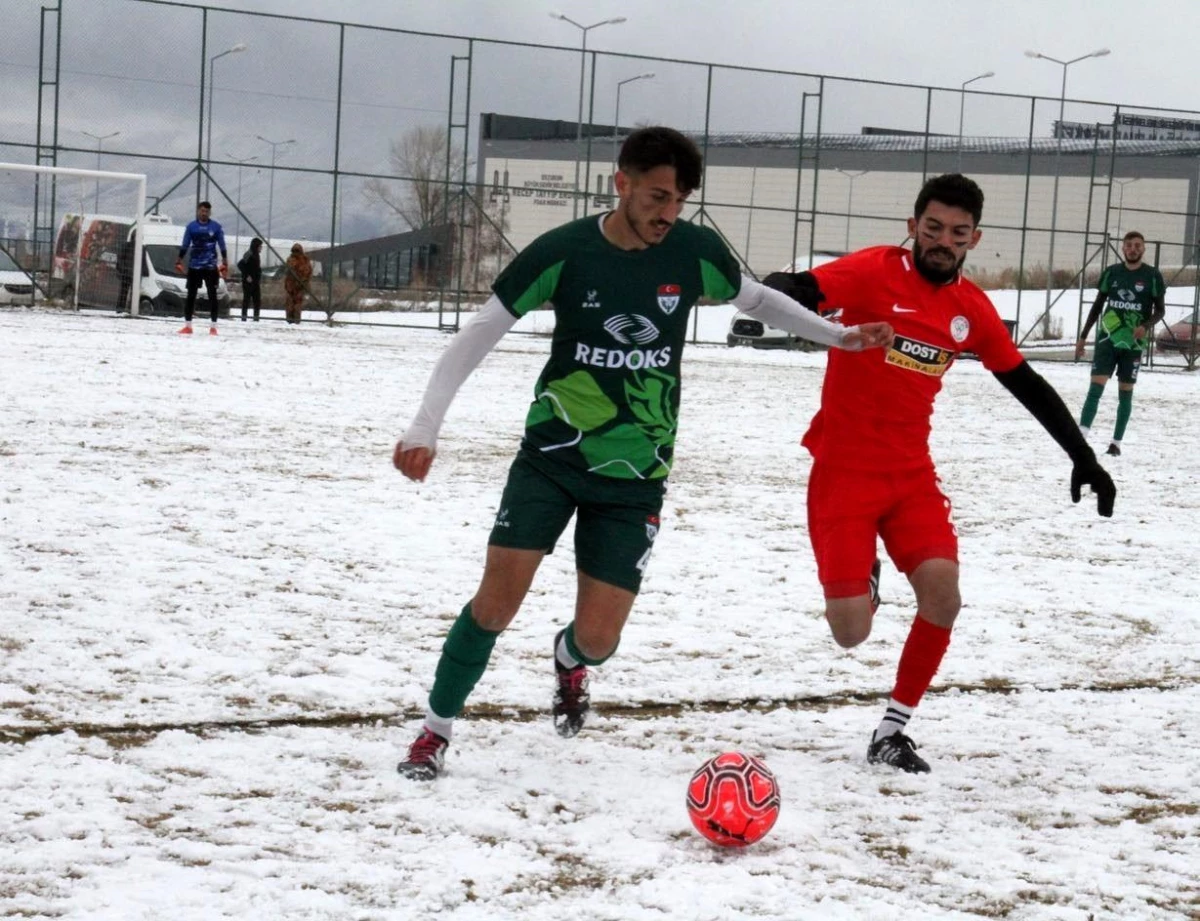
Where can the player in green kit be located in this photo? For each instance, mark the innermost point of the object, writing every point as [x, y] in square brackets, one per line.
[1129, 303]
[600, 432]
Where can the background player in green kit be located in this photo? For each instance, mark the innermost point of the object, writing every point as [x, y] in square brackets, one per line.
[1129, 303]
[600, 431]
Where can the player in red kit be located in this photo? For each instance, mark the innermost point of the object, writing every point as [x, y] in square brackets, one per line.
[872, 473]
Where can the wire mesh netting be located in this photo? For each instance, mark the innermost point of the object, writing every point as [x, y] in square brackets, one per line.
[412, 166]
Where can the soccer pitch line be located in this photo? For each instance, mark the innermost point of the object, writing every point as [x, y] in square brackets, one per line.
[505, 713]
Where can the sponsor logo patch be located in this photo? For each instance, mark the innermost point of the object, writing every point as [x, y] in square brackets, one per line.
[614, 359]
[914, 355]
[668, 297]
[629, 329]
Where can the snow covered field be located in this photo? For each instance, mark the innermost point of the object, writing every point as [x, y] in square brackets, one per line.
[222, 609]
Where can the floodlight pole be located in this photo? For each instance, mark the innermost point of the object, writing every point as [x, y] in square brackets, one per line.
[649, 75]
[582, 66]
[271, 194]
[962, 101]
[850, 199]
[239, 47]
[1062, 101]
[99, 139]
[240, 161]
[1121, 183]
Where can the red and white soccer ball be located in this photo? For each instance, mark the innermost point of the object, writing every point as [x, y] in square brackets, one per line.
[733, 800]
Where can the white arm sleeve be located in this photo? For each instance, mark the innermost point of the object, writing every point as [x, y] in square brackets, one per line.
[777, 309]
[472, 344]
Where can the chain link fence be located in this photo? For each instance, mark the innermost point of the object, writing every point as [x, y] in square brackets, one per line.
[412, 166]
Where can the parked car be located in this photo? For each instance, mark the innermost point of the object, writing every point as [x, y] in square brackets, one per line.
[746, 330]
[1182, 337]
[16, 287]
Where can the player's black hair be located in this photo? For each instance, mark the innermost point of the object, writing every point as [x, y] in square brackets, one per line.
[648, 148]
[256, 243]
[1134, 235]
[953, 189]
[205, 204]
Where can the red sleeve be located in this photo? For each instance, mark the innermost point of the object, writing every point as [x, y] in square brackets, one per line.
[990, 338]
[842, 279]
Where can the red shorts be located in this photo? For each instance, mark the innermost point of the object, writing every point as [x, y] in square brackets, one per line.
[848, 508]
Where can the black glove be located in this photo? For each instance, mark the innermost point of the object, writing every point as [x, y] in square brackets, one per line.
[1095, 476]
[799, 286]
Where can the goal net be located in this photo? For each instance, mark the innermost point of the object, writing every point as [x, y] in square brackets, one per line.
[73, 233]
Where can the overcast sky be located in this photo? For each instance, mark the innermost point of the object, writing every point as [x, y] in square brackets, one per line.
[1153, 60]
[143, 95]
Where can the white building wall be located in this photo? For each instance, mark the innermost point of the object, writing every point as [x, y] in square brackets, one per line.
[763, 236]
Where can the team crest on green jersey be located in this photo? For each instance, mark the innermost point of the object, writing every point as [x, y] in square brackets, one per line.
[668, 298]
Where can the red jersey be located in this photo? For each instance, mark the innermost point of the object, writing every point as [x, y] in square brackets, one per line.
[877, 405]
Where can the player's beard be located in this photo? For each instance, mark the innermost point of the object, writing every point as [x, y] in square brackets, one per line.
[938, 274]
[645, 228]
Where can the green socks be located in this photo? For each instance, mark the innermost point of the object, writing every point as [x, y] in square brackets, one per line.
[1124, 411]
[568, 639]
[1090, 405]
[464, 659]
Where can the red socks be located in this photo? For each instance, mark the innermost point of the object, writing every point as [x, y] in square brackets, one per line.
[923, 651]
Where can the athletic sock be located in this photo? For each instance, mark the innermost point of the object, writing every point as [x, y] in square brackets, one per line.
[464, 659]
[567, 654]
[562, 650]
[895, 718]
[1090, 404]
[919, 662]
[1124, 411]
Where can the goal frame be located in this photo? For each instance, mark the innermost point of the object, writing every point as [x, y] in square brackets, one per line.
[139, 178]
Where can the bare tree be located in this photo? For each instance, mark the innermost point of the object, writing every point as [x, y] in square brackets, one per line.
[474, 221]
[420, 199]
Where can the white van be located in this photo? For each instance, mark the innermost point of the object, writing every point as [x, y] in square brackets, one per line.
[88, 257]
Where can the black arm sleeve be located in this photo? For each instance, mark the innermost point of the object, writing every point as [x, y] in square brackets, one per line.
[1045, 405]
[801, 287]
[1157, 311]
[1093, 316]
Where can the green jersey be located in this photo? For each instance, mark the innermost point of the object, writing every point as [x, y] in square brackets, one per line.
[1131, 295]
[607, 400]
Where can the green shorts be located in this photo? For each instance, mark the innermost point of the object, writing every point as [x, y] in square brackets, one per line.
[616, 521]
[1108, 358]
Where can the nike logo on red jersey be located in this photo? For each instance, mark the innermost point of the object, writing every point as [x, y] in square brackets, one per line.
[896, 308]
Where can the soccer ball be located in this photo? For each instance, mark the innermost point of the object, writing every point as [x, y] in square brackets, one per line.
[733, 800]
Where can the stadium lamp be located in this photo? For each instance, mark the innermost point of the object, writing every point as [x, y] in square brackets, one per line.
[649, 75]
[240, 161]
[235, 49]
[962, 99]
[1062, 101]
[616, 20]
[850, 175]
[99, 139]
[271, 194]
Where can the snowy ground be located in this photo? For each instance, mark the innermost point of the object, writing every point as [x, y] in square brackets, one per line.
[222, 610]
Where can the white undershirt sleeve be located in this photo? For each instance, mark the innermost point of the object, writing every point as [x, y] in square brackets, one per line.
[777, 309]
[468, 348]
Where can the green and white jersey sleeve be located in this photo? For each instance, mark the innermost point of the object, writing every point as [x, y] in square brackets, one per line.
[1130, 301]
[607, 400]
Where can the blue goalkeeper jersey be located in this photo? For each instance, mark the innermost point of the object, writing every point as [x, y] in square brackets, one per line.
[204, 240]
